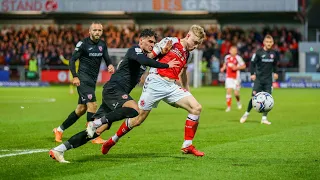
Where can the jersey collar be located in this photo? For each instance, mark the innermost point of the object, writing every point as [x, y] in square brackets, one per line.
[92, 42]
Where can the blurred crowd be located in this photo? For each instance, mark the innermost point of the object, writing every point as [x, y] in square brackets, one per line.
[19, 46]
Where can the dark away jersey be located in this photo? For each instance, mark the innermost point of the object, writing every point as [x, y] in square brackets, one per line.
[90, 55]
[131, 69]
[263, 63]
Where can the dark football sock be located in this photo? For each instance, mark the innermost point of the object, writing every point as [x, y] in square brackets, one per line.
[119, 114]
[249, 106]
[89, 116]
[78, 140]
[71, 119]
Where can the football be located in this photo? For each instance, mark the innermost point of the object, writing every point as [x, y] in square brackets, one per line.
[262, 102]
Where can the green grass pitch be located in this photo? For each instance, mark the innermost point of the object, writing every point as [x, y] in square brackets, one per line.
[287, 149]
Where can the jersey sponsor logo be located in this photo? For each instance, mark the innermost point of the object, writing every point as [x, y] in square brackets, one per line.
[100, 48]
[125, 96]
[142, 103]
[267, 60]
[79, 44]
[178, 53]
[89, 96]
[138, 50]
[95, 54]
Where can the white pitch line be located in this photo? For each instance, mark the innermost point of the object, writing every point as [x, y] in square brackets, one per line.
[30, 151]
[15, 101]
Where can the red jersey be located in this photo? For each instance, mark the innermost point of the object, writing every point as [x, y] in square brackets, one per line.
[230, 62]
[177, 51]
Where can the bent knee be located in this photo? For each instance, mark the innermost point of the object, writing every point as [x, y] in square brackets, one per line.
[92, 106]
[196, 109]
[81, 109]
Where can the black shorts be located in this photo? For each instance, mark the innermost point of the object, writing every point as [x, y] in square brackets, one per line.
[262, 86]
[86, 93]
[113, 97]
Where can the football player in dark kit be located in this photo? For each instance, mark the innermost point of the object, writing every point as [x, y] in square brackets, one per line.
[263, 64]
[90, 52]
[117, 104]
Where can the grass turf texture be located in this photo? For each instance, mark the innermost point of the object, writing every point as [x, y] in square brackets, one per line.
[287, 149]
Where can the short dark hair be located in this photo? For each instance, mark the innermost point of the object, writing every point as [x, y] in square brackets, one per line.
[96, 22]
[148, 33]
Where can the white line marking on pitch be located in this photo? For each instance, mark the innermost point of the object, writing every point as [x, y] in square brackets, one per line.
[22, 152]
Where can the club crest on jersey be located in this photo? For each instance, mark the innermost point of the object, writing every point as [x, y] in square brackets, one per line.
[100, 48]
[271, 56]
[90, 96]
[125, 96]
[142, 103]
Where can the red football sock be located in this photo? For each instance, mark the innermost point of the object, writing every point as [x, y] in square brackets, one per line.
[190, 129]
[124, 128]
[229, 100]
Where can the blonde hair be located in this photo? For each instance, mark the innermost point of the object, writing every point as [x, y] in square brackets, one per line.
[268, 36]
[198, 31]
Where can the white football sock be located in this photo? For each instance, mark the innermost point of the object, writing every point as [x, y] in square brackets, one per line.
[97, 122]
[264, 118]
[186, 143]
[246, 113]
[59, 129]
[61, 148]
[115, 138]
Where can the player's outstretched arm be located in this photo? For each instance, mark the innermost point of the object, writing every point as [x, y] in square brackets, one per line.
[144, 60]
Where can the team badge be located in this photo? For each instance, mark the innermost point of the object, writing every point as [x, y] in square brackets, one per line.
[100, 48]
[271, 56]
[142, 103]
[90, 96]
[124, 96]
